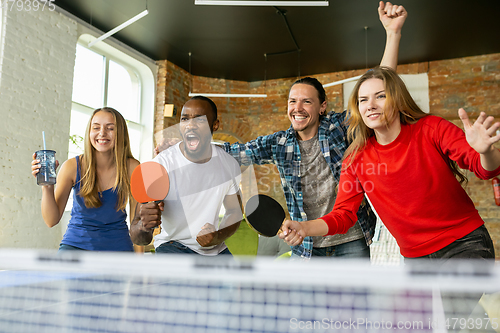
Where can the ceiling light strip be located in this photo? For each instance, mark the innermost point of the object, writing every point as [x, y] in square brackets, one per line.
[260, 3]
[120, 27]
[341, 81]
[228, 95]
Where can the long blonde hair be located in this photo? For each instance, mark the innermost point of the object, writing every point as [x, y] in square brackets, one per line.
[88, 183]
[398, 103]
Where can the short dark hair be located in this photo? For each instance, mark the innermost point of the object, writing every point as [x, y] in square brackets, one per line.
[314, 83]
[209, 101]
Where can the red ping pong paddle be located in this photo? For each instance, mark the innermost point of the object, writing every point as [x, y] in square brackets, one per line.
[265, 215]
[149, 182]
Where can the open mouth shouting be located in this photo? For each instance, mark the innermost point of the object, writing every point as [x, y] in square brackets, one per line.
[192, 141]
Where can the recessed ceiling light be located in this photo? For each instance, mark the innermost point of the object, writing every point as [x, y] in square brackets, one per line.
[260, 3]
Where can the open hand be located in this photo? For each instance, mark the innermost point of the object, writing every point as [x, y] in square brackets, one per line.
[482, 134]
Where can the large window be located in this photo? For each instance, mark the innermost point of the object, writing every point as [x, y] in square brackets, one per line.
[107, 76]
[100, 80]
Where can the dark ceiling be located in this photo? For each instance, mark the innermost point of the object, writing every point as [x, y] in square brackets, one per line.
[230, 41]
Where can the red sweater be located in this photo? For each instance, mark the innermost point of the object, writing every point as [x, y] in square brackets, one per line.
[412, 188]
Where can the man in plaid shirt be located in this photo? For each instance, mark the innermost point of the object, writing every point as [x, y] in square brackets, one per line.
[308, 180]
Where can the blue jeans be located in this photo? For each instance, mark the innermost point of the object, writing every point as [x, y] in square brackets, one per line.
[475, 245]
[353, 249]
[176, 247]
[66, 247]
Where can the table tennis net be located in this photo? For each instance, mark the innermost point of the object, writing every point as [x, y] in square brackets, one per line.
[47, 292]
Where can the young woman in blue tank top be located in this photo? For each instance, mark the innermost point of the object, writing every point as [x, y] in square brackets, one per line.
[100, 178]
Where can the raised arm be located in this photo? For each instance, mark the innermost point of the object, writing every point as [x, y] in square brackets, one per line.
[392, 18]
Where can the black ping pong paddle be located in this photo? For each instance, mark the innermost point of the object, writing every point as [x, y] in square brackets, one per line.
[265, 215]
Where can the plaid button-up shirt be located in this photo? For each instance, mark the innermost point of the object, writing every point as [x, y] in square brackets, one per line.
[282, 149]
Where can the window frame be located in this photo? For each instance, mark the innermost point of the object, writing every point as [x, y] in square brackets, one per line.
[147, 87]
[145, 70]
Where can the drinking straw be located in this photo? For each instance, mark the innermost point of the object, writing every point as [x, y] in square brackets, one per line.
[43, 134]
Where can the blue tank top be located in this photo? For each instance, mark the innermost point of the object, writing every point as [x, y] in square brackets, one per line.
[97, 229]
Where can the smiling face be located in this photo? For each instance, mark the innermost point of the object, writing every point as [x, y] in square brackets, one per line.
[196, 126]
[371, 99]
[304, 110]
[103, 131]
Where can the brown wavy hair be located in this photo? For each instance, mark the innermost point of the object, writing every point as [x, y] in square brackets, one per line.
[398, 103]
[122, 152]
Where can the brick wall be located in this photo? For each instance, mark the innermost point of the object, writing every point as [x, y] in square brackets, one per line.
[36, 85]
[472, 83]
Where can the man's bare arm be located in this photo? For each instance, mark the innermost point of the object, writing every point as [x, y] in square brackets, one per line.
[147, 217]
[230, 223]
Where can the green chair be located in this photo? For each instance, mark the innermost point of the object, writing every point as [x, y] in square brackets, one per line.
[244, 242]
[285, 255]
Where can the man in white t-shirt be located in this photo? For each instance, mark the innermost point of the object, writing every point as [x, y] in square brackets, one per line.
[203, 177]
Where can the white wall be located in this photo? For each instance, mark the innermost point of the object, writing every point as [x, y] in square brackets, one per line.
[37, 58]
[35, 95]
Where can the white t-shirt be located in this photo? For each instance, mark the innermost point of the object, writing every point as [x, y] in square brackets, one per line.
[197, 192]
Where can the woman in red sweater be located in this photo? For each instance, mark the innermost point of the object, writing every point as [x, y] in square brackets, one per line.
[406, 161]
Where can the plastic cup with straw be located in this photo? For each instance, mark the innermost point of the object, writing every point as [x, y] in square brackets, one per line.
[47, 173]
